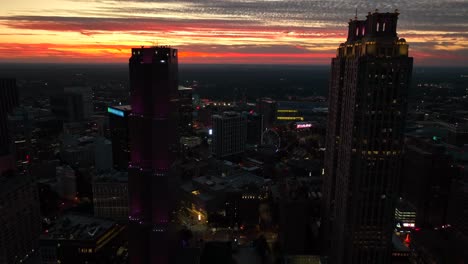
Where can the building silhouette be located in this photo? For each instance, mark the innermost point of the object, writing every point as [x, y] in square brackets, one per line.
[119, 133]
[229, 134]
[367, 108]
[9, 99]
[153, 146]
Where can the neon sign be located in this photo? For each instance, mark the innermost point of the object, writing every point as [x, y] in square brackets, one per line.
[115, 112]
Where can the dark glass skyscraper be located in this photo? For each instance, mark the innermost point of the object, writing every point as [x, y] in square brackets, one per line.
[153, 145]
[9, 99]
[367, 108]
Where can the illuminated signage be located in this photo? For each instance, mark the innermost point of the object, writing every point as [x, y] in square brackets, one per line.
[303, 125]
[115, 112]
[290, 118]
[287, 111]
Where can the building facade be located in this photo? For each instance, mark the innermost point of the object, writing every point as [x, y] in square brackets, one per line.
[20, 218]
[367, 109]
[119, 134]
[67, 107]
[185, 111]
[153, 141]
[9, 99]
[267, 108]
[229, 134]
[110, 195]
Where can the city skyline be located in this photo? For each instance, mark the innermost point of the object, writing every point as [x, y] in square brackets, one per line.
[274, 32]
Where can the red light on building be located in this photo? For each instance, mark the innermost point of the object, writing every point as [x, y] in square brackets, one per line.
[407, 239]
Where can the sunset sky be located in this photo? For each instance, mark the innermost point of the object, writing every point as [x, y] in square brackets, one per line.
[221, 31]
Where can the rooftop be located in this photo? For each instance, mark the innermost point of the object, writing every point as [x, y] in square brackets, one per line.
[78, 227]
[111, 176]
[123, 107]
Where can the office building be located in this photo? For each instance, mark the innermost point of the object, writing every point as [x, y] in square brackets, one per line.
[229, 134]
[254, 128]
[20, 127]
[19, 217]
[110, 195]
[67, 107]
[185, 111]
[370, 78]
[102, 154]
[426, 180]
[66, 182]
[86, 94]
[119, 134]
[458, 206]
[81, 239]
[9, 99]
[154, 143]
[267, 108]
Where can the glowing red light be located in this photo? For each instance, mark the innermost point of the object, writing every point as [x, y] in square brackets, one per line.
[27, 157]
[407, 239]
[251, 112]
[198, 107]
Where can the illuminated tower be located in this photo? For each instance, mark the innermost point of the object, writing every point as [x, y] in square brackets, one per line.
[367, 109]
[153, 145]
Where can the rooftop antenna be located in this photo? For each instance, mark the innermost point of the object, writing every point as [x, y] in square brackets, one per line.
[355, 17]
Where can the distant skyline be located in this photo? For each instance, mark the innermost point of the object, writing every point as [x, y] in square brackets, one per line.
[221, 31]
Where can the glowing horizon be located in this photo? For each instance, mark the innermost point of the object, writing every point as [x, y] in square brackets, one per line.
[214, 31]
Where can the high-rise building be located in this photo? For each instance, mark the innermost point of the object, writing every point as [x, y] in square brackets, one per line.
[20, 127]
[185, 110]
[67, 107]
[254, 128]
[118, 126]
[102, 154]
[86, 94]
[367, 109]
[19, 217]
[9, 99]
[426, 180]
[153, 141]
[229, 134]
[267, 108]
[110, 195]
[66, 182]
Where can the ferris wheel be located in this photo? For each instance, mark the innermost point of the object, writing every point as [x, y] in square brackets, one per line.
[271, 138]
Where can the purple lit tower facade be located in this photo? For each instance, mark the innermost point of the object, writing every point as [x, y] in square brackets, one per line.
[367, 109]
[153, 149]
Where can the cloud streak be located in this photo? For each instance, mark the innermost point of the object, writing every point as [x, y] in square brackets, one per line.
[233, 31]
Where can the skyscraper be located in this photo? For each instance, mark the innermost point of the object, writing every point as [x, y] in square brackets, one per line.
[153, 146]
[19, 216]
[367, 107]
[9, 99]
[86, 94]
[267, 108]
[185, 111]
[119, 132]
[229, 134]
